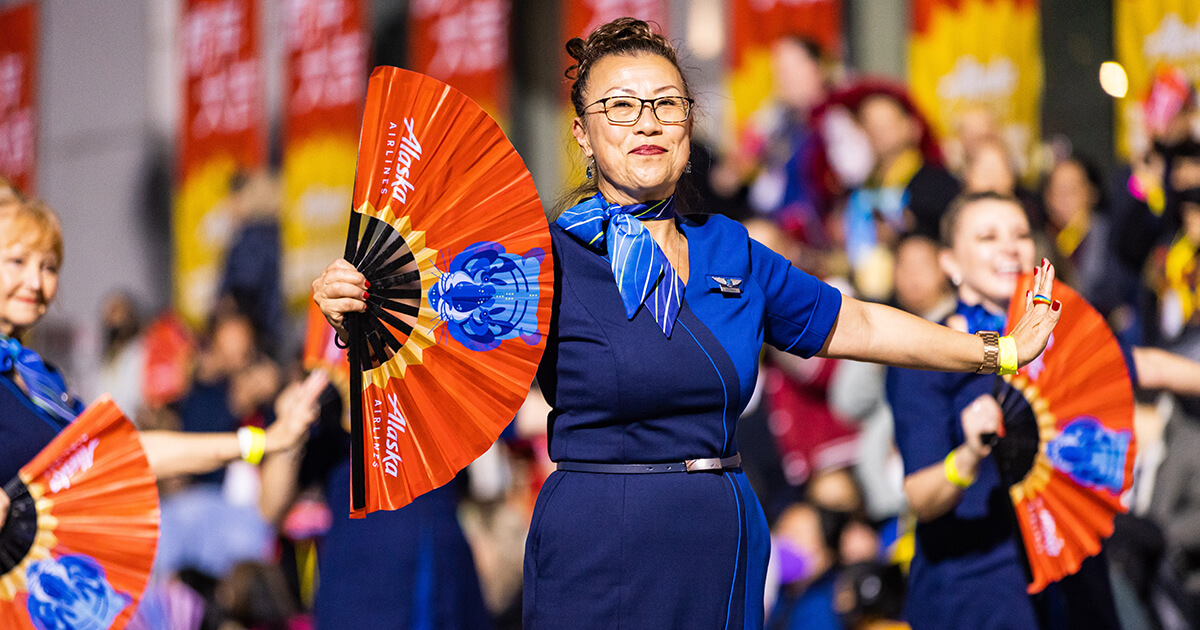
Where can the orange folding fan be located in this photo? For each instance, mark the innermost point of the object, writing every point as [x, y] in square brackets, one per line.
[450, 233]
[1068, 449]
[82, 529]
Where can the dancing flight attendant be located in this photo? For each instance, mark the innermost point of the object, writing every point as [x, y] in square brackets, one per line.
[652, 353]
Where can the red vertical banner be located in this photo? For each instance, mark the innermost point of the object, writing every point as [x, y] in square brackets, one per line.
[580, 18]
[327, 43]
[464, 43]
[18, 94]
[221, 130]
[757, 24]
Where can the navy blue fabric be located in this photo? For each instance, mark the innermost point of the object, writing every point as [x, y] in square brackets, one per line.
[408, 569]
[660, 551]
[966, 570]
[205, 409]
[810, 610]
[24, 429]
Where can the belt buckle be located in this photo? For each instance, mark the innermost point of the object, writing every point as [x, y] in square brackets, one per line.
[698, 465]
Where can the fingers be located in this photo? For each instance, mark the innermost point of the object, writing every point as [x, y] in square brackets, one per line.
[982, 416]
[1043, 286]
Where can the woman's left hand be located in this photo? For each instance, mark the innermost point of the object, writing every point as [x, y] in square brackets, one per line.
[1033, 330]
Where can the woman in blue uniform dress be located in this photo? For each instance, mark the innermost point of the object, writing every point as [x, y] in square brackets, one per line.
[967, 571]
[658, 321]
[34, 402]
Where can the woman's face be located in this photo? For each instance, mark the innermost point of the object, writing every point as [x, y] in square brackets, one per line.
[1068, 192]
[992, 245]
[28, 283]
[642, 161]
[990, 171]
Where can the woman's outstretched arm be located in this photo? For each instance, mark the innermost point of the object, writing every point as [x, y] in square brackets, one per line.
[882, 334]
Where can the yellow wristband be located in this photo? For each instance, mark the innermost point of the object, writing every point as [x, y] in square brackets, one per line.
[1008, 355]
[952, 474]
[252, 442]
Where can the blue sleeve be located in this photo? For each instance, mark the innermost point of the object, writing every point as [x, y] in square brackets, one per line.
[800, 311]
[924, 415]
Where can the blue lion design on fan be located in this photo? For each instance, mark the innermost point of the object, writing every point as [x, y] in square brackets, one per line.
[72, 593]
[488, 295]
[1091, 454]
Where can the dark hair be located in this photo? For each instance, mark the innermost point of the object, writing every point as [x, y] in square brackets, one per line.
[950, 217]
[1090, 170]
[810, 46]
[622, 36]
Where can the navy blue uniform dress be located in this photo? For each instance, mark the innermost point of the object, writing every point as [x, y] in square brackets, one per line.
[671, 550]
[24, 429]
[967, 570]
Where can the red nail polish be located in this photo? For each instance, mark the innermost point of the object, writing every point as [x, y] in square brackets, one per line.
[1057, 305]
[1035, 271]
[368, 284]
[366, 295]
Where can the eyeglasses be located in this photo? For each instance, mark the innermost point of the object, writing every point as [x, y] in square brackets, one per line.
[627, 110]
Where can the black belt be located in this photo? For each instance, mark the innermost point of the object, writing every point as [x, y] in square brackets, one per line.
[708, 464]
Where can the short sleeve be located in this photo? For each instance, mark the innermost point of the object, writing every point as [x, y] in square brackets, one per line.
[921, 409]
[800, 310]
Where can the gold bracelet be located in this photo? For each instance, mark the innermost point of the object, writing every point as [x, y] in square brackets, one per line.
[952, 474]
[252, 442]
[1008, 355]
[991, 352]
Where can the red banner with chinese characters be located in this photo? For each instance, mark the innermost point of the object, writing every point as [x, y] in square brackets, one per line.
[756, 25]
[580, 18]
[221, 131]
[327, 47]
[18, 95]
[464, 43]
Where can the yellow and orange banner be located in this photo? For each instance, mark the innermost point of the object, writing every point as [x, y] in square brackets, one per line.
[979, 54]
[18, 94]
[580, 18]
[1150, 37]
[757, 25]
[327, 46]
[464, 43]
[221, 131]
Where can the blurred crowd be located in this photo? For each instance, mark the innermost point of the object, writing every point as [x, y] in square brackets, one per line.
[845, 177]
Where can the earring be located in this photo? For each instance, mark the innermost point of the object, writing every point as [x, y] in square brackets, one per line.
[956, 279]
[589, 173]
[687, 168]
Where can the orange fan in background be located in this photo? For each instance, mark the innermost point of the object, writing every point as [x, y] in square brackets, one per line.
[1068, 449]
[449, 231]
[322, 352]
[82, 530]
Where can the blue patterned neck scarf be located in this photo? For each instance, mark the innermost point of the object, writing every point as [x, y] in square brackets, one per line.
[979, 318]
[641, 269]
[46, 388]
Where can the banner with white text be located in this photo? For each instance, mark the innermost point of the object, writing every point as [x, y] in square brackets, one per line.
[18, 95]
[221, 132]
[327, 47]
[1150, 39]
[984, 55]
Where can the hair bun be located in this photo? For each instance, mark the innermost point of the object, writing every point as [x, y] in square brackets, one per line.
[622, 36]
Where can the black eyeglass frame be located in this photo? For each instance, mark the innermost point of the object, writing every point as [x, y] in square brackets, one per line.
[652, 102]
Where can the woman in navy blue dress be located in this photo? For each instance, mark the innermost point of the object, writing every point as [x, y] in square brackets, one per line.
[652, 354]
[34, 402]
[966, 570]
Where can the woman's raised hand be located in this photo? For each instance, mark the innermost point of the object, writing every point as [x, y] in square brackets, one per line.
[1041, 315]
[339, 290]
[296, 408]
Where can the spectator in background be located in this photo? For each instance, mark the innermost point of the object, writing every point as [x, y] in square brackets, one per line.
[1080, 230]
[408, 568]
[804, 552]
[251, 273]
[123, 358]
[780, 154]
[255, 596]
